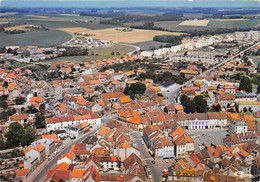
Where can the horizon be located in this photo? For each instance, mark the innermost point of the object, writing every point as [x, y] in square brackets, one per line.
[130, 4]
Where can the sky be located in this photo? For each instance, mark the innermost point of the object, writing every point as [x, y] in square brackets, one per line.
[130, 3]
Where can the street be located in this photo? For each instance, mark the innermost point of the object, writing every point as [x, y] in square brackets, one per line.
[159, 166]
[39, 174]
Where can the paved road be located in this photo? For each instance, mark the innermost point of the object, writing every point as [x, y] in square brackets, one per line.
[160, 164]
[40, 173]
[156, 174]
[174, 90]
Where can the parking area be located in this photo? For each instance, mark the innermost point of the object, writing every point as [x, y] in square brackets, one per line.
[207, 137]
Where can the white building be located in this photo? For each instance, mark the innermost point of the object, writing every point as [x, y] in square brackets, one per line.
[59, 123]
[238, 127]
[253, 105]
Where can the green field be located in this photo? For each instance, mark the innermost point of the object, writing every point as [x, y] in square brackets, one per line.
[148, 44]
[103, 53]
[37, 38]
[212, 25]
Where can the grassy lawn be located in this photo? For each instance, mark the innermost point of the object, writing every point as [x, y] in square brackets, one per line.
[103, 53]
[37, 38]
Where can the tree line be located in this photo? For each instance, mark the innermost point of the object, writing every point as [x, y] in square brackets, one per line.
[173, 39]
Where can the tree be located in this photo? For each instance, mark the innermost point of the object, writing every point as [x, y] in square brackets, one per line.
[135, 89]
[2, 143]
[40, 121]
[250, 109]
[216, 108]
[14, 135]
[112, 53]
[3, 104]
[245, 84]
[19, 100]
[28, 136]
[245, 109]
[201, 104]
[148, 24]
[188, 104]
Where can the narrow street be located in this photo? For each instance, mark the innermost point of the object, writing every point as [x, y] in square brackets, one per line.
[157, 168]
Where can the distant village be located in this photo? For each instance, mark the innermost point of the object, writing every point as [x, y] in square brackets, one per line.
[107, 125]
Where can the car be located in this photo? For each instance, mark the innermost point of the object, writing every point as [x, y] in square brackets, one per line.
[166, 160]
[142, 143]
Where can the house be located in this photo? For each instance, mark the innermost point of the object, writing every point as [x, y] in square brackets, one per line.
[49, 145]
[22, 174]
[159, 145]
[238, 127]
[109, 162]
[249, 105]
[80, 149]
[210, 120]
[248, 158]
[225, 99]
[134, 169]
[182, 142]
[58, 175]
[231, 140]
[21, 118]
[256, 167]
[112, 97]
[59, 123]
[32, 159]
[67, 157]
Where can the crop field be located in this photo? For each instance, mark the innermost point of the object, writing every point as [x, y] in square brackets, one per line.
[19, 27]
[35, 38]
[74, 29]
[227, 20]
[135, 36]
[99, 53]
[200, 23]
[168, 25]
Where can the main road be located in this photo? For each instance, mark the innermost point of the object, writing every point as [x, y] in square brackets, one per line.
[39, 174]
[174, 89]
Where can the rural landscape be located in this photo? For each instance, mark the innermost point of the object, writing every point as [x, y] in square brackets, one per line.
[129, 91]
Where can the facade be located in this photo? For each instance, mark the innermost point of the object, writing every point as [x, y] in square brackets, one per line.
[253, 105]
[202, 120]
[238, 127]
[59, 123]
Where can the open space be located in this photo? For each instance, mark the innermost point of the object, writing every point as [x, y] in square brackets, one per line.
[207, 137]
[99, 53]
[134, 36]
[74, 29]
[200, 23]
[35, 38]
[19, 27]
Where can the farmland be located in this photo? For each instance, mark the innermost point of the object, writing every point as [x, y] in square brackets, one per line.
[19, 27]
[98, 53]
[37, 38]
[74, 29]
[134, 36]
[200, 23]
